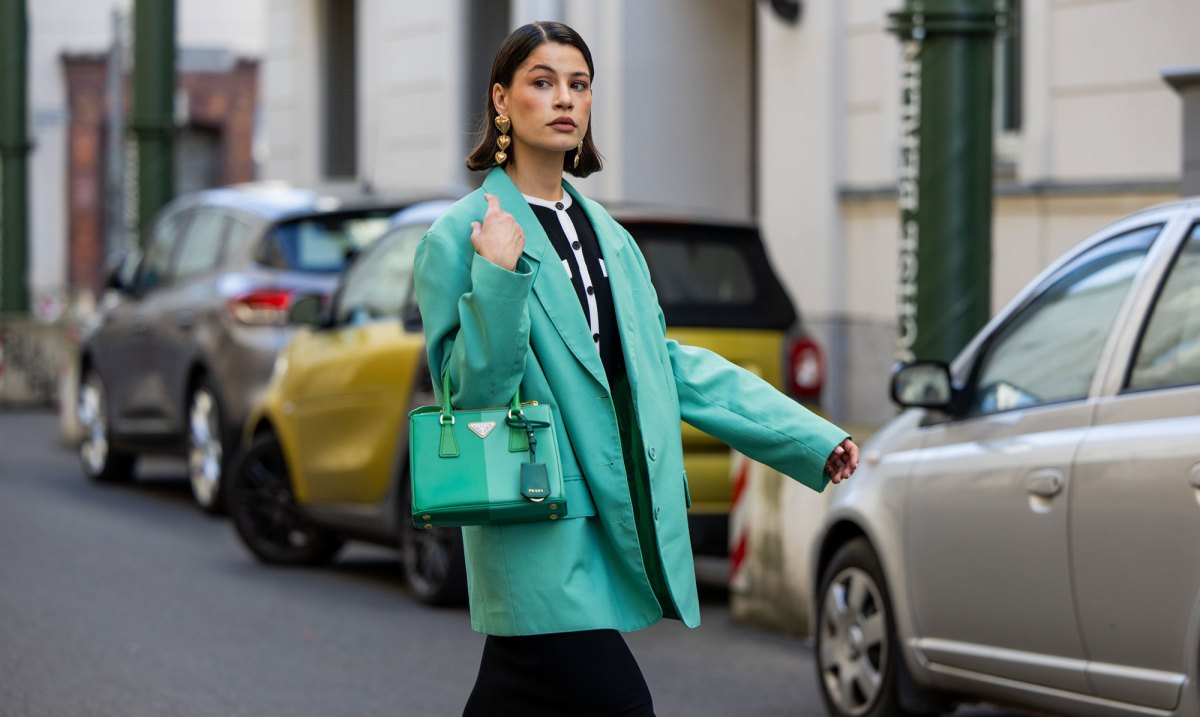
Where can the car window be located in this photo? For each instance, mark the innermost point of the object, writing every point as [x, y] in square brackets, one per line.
[1169, 352]
[378, 283]
[154, 268]
[237, 234]
[200, 249]
[713, 276]
[1048, 352]
[321, 244]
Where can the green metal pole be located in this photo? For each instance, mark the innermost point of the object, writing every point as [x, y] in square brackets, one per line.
[945, 188]
[14, 153]
[153, 105]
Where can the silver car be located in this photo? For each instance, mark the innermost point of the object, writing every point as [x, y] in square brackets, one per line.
[1028, 531]
[187, 337]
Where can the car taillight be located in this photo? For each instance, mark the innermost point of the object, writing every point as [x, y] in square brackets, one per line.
[265, 307]
[806, 370]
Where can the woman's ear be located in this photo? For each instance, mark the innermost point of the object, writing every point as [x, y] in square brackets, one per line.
[499, 99]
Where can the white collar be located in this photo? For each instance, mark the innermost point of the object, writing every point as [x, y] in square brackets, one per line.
[538, 201]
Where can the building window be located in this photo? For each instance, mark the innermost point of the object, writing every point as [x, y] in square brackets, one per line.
[340, 79]
[1008, 67]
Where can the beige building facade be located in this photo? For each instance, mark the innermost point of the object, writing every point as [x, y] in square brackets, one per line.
[722, 107]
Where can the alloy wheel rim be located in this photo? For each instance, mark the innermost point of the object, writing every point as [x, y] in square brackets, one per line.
[93, 449]
[853, 641]
[266, 507]
[204, 447]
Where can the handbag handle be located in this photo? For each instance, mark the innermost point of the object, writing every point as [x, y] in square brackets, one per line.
[448, 411]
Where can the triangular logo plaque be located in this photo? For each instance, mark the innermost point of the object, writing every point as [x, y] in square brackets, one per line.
[482, 428]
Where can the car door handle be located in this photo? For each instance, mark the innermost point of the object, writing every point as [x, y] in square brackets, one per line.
[1194, 479]
[1045, 482]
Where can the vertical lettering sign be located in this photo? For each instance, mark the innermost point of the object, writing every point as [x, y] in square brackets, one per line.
[909, 192]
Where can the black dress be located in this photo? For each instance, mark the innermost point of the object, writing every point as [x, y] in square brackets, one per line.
[592, 672]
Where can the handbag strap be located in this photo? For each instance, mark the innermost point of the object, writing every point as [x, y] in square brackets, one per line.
[514, 409]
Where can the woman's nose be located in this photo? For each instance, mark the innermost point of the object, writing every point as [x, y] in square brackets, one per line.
[562, 99]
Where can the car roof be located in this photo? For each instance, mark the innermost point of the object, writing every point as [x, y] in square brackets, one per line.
[272, 201]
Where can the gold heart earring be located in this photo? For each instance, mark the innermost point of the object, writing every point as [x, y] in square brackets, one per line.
[502, 124]
[578, 154]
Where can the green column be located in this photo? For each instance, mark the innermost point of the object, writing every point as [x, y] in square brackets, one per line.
[14, 153]
[945, 187]
[153, 105]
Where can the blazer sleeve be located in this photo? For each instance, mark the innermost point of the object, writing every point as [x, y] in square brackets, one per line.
[741, 409]
[476, 319]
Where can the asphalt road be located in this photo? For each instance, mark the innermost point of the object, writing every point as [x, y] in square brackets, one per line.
[126, 601]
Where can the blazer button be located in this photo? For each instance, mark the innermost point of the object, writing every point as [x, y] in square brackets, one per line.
[651, 453]
[656, 510]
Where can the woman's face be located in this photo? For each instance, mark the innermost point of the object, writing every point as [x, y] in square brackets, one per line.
[549, 100]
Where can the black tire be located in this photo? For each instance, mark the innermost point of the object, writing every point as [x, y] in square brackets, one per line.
[264, 512]
[100, 461]
[209, 447]
[860, 670]
[433, 561]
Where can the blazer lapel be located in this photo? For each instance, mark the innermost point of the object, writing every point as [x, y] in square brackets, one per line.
[551, 286]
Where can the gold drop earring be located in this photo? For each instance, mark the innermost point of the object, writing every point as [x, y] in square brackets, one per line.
[502, 124]
[578, 154]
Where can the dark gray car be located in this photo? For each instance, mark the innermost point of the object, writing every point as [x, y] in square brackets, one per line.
[187, 337]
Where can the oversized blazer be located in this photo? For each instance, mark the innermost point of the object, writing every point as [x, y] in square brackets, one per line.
[495, 330]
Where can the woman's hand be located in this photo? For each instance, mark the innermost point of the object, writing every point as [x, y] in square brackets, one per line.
[499, 239]
[843, 461]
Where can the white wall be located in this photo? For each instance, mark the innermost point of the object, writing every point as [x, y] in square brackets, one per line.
[290, 92]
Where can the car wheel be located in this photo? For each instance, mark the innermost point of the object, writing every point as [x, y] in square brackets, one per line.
[859, 665]
[264, 511]
[434, 565]
[101, 462]
[206, 447]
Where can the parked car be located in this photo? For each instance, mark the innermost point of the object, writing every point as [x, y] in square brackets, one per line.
[1026, 532]
[188, 334]
[327, 446]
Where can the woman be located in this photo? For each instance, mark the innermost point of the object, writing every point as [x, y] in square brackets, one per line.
[525, 283]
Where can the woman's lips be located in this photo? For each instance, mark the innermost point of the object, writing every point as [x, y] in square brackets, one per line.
[563, 125]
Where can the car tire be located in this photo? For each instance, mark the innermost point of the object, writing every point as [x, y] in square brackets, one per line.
[101, 462]
[208, 445]
[264, 512]
[860, 670]
[433, 561]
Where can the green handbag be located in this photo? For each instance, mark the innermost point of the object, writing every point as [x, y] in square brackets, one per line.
[484, 465]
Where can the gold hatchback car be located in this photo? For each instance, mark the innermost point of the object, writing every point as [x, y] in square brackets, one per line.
[325, 450]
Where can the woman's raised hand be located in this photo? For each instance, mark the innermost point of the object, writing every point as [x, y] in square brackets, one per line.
[499, 239]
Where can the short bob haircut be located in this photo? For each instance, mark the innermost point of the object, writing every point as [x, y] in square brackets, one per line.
[513, 51]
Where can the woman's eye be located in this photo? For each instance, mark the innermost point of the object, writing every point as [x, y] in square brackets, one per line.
[541, 83]
[580, 86]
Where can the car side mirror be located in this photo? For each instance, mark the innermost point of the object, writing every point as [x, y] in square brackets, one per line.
[924, 384]
[308, 310]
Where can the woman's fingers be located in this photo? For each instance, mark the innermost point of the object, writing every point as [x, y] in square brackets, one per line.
[499, 238]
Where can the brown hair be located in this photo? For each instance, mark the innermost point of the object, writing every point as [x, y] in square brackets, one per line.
[513, 51]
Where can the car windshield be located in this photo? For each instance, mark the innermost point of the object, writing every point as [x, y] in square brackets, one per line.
[321, 244]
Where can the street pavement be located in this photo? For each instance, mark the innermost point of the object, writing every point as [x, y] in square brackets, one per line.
[127, 601]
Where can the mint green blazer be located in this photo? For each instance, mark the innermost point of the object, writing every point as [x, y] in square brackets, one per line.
[495, 329]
